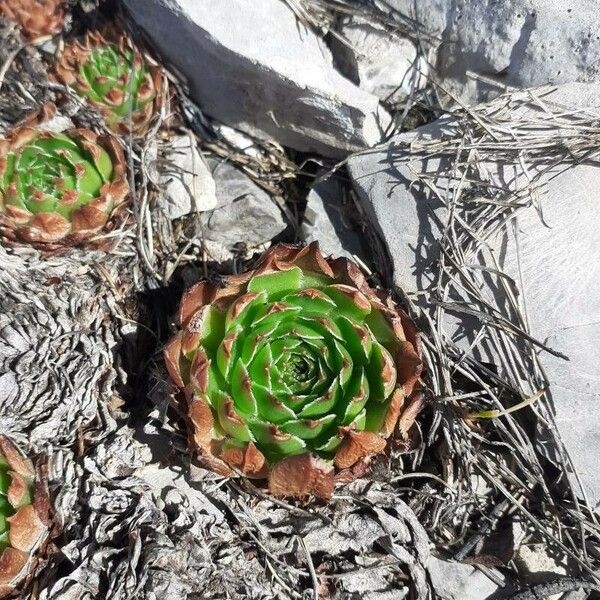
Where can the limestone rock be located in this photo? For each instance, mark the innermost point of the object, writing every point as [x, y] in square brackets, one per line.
[380, 62]
[457, 581]
[253, 66]
[431, 16]
[556, 260]
[537, 564]
[328, 220]
[244, 214]
[185, 181]
[520, 43]
[515, 43]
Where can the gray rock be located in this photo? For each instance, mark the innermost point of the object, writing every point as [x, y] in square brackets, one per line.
[538, 565]
[329, 221]
[516, 43]
[431, 16]
[457, 581]
[185, 180]
[238, 140]
[399, 212]
[245, 214]
[399, 594]
[253, 66]
[379, 62]
[557, 261]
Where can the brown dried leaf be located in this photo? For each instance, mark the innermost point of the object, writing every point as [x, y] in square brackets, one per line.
[409, 366]
[202, 420]
[26, 528]
[409, 415]
[17, 461]
[249, 460]
[12, 562]
[394, 410]
[302, 475]
[357, 445]
[18, 490]
[172, 355]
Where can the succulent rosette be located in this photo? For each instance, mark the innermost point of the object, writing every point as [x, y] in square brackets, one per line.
[111, 74]
[58, 188]
[24, 521]
[37, 18]
[296, 371]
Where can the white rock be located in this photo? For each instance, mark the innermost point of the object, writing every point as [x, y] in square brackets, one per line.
[380, 62]
[430, 16]
[537, 564]
[184, 179]
[518, 43]
[57, 124]
[253, 66]
[525, 42]
[558, 263]
[328, 220]
[238, 140]
[245, 214]
[457, 581]
[216, 252]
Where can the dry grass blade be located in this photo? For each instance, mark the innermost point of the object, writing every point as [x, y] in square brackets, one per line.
[538, 139]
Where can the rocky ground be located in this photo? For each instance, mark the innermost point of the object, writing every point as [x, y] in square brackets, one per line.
[451, 148]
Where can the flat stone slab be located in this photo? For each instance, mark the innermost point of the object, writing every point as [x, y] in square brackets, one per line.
[555, 263]
[186, 184]
[458, 581]
[330, 221]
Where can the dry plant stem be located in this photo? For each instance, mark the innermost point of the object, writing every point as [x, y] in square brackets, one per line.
[8, 62]
[318, 15]
[539, 145]
[311, 568]
[559, 586]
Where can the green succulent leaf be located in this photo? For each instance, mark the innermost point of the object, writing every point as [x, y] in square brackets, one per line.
[347, 306]
[111, 74]
[311, 302]
[9, 507]
[308, 429]
[230, 419]
[278, 283]
[381, 386]
[244, 308]
[51, 166]
[357, 396]
[303, 360]
[241, 389]
[56, 185]
[275, 443]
